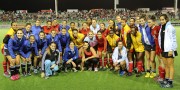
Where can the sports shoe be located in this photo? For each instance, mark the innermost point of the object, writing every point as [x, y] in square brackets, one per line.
[65, 70]
[96, 69]
[135, 70]
[147, 75]
[138, 74]
[129, 74]
[74, 70]
[54, 73]
[90, 69]
[17, 76]
[6, 74]
[46, 77]
[168, 85]
[24, 74]
[13, 78]
[111, 68]
[152, 75]
[35, 71]
[28, 74]
[121, 73]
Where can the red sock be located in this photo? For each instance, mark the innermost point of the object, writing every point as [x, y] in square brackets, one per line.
[5, 66]
[160, 69]
[139, 66]
[8, 65]
[130, 66]
[162, 72]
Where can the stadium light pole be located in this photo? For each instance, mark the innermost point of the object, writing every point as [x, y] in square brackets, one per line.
[56, 7]
[175, 7]
[115, 5]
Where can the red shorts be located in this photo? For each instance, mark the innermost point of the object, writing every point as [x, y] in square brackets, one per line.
[100, 49]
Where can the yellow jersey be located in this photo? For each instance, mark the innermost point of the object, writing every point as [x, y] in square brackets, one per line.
[137, 42]
[112, 40]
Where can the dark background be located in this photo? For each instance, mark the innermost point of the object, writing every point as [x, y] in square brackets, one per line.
[36, 5]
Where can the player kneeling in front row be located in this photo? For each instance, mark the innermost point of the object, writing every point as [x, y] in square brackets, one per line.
[70, 57]
[12, 53]
[120, 59]
[89, 57]
[28, 50]
[50, 61]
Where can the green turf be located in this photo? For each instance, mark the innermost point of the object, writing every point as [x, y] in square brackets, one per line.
[102, 80]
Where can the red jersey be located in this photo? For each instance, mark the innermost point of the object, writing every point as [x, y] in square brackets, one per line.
[102, 43]
[155, 34]
[56, 28]
[88, 54]
[84, 31]
[104, 32]
[47, 30]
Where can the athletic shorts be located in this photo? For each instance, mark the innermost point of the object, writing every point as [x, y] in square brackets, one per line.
[149, 48]
[100, 49]
[6, 52]
[165, 54]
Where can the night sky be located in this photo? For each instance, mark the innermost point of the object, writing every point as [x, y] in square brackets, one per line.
[36, 5]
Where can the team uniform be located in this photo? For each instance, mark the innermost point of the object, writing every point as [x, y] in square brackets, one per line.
[10, 33]
[104, 32]
[41, 45]
[56, 28]
[55, 39]
[78, 41]
[68, 54]
[12, 49]
[102, 46]
[139, 48]
[124, 34]
[84, 31]
[155, 34]
[118, 29]
[91, 62]
[47, 29]
[112, 40]
[66, 27]
[27, 33]
[28, 50]
[35, 30]
[147, 38]
[112, 43]
[64, 39]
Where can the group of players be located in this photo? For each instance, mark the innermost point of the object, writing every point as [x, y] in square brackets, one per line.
[124, 47]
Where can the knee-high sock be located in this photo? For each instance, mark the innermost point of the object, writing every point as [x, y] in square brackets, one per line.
[161, 72]
[17, 69]
[23, 67]
[5, 66]
[139, 66]
[28, 67]
[130, 66]
[12, 70]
